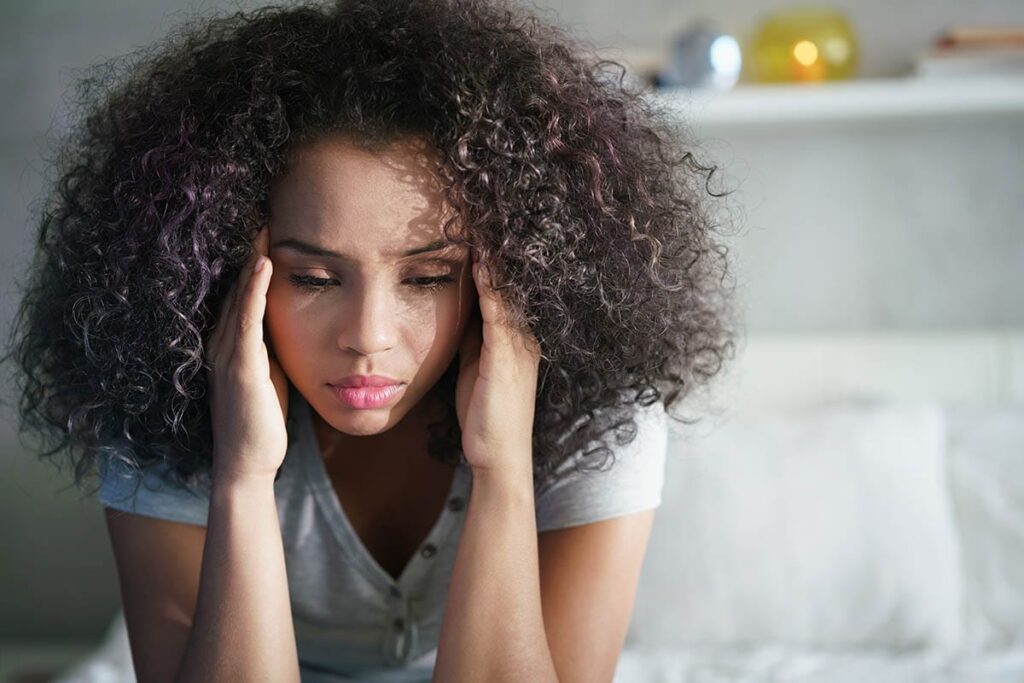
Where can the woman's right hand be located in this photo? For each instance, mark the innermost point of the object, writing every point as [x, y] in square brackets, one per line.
[248, 388]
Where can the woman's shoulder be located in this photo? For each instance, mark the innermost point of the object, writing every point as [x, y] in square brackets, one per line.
[151, 489]
[631, 481]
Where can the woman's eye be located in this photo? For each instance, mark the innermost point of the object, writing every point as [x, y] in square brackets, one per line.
[431, 283]
[310, 283]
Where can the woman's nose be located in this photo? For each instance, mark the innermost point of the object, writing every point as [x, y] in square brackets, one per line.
[369, 325]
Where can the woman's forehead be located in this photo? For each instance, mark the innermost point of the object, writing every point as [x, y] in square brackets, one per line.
[337, 192]
[333, 167]
[388, 240]
[402, 157]
[437, 249]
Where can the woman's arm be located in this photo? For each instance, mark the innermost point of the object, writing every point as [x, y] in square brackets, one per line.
[243, 623]
[210, 611]
[242, 629]
[493, 626]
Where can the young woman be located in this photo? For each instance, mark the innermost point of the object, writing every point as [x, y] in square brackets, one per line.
[369, 318]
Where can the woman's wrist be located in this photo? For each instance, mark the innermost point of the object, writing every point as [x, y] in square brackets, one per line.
[225, 479]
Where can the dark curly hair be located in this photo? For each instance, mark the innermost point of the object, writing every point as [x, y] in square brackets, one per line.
[578, 190]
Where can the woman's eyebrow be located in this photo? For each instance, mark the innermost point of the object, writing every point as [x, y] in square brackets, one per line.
[313, 250]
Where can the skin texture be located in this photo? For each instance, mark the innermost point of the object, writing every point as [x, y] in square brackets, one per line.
[375, 312]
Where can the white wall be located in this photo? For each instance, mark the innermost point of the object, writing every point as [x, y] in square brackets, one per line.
[912, 224]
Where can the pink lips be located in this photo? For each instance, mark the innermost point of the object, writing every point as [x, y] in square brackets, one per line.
[365, 381]
[362, 391]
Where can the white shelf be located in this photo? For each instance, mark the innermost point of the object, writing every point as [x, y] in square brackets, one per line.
[847, 100]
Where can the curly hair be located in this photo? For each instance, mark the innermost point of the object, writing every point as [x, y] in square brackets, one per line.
[578, 192]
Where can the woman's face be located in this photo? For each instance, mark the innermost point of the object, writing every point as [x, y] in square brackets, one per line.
[362, 284]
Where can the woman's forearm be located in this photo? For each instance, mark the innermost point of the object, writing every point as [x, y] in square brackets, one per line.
[493, 627]
[242, 626]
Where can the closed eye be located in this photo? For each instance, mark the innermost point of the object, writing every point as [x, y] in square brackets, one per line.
[431, 282]
[310, 283]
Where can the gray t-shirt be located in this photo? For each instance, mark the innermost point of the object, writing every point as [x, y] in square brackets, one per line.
[353, 621]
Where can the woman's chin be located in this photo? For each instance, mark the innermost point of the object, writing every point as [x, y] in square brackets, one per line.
[358, 422]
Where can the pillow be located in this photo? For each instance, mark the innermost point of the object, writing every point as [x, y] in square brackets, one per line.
[986, 464]
[827, 527]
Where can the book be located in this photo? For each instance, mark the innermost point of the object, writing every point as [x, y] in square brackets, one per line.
[966, 50]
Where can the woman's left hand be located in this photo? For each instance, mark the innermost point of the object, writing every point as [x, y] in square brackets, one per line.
[497, 386]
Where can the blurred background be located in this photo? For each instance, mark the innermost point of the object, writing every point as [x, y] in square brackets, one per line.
[873, 151]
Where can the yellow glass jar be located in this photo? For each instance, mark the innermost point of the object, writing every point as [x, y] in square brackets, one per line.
[802, 44]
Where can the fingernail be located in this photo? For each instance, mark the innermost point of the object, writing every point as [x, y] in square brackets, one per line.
[259, 264]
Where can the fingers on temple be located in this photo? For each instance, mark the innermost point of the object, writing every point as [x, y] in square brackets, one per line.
[228, 323]
[252, 308]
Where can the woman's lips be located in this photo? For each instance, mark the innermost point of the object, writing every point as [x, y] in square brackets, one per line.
[367, 397]
[364, 381]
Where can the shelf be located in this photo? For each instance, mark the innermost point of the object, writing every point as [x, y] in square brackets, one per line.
[846, 100]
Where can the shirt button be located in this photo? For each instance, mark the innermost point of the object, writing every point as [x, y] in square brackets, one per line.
[428, 550]
[395, 593]
[456, 504]
[399, 624]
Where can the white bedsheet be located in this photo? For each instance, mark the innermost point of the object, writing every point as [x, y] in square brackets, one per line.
[111, 663]
[780, 664]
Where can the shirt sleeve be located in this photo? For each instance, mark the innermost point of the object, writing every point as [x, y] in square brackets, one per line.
[631, 484]
[152, 493]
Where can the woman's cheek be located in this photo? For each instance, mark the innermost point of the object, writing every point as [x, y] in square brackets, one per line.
[282, 318]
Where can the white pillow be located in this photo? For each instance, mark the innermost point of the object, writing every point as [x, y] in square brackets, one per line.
[986, 460]
[828, 527]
